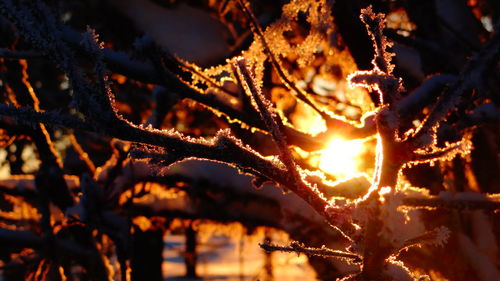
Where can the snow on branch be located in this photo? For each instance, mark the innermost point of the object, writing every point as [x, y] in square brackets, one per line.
[483, 114]
[460, 201]
[421, 97]
[472, 76]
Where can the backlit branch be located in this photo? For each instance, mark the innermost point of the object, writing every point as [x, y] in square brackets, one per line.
[471, 77]
[331, 121]
[270, 118]
[296, 247]
[223, 148]
[375, 24]
[458, 202]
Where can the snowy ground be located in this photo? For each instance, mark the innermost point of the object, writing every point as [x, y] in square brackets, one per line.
[222, 258]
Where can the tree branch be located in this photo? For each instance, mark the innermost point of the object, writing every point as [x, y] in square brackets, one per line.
[296, 247]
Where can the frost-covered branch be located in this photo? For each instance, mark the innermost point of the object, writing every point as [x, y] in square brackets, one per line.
[471, 77]
[270, 118]
[437, 237]
[296, 247]
[424, 95]
[459, 201]
[332, 122]
[483, 114]
[375, 24]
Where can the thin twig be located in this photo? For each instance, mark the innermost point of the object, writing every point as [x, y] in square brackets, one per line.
[458, 204]
[195, 72]
[296, 247]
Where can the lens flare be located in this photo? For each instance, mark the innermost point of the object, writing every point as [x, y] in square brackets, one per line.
[342, 157]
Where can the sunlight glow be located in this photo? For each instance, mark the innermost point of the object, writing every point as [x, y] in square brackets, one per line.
[342, 157]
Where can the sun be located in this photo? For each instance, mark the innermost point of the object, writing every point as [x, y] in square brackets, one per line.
[342, 157]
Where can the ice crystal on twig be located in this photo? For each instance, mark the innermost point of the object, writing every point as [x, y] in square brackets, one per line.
[375, 24]
[296, 247]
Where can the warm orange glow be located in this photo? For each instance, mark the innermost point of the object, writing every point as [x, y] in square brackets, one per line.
[342, 157]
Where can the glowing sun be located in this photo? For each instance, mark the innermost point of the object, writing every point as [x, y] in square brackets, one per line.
[342, 157]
